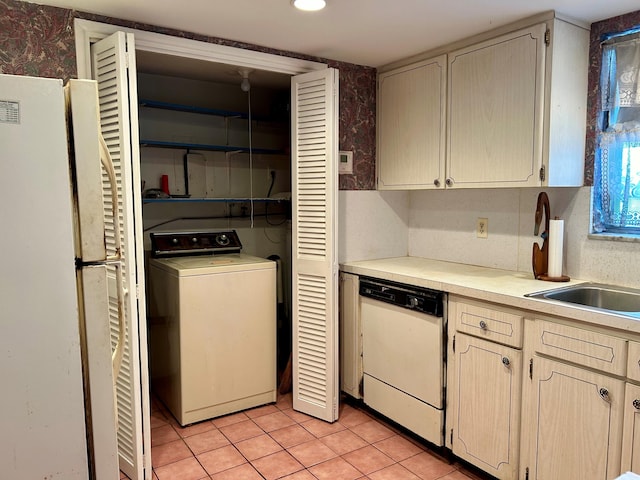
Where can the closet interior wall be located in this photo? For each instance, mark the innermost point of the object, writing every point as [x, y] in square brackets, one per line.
[217, 174]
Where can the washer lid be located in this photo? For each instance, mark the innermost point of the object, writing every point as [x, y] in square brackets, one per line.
[211, 264]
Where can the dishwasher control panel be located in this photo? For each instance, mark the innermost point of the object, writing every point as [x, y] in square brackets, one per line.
[423, 300]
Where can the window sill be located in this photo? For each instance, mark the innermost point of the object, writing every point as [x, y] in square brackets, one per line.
[615, 237]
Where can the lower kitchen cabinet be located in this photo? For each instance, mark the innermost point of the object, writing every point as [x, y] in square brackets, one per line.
[631, 431]
[527, 397]
[484, 405]
[574, 423]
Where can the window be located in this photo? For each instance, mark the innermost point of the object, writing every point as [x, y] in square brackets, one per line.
[616, 200]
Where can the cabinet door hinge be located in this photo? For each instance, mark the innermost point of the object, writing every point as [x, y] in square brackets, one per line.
[453, 344]
[547, 37]
[531, 369]
[526, 473]
[543, 173]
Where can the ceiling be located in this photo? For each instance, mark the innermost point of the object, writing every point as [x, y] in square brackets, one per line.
[364, 32]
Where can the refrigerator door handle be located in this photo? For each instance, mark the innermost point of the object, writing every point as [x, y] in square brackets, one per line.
[107, 163]
[118, 353]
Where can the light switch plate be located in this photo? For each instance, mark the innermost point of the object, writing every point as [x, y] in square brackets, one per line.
[345, 162]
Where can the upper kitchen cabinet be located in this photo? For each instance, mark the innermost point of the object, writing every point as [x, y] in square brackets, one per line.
[516, 103]
[495, 115]
[411, 121]
[517, 109]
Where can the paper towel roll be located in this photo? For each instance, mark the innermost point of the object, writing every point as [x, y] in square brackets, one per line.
[556, 241]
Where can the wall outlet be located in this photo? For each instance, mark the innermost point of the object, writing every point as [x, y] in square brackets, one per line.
[482, 228]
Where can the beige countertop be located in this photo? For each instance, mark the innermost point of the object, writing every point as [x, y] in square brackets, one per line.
[499, 286]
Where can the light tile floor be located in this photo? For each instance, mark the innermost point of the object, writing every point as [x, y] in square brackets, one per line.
[276, 442]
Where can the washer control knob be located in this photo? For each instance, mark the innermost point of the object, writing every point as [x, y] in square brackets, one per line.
[413, 302]
[223, 240]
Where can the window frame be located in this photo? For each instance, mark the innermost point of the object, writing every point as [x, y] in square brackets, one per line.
[598, 221]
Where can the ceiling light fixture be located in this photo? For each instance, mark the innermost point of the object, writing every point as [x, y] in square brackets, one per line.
[309, 5]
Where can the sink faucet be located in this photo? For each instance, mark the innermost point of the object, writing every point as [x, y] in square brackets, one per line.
[540, 257]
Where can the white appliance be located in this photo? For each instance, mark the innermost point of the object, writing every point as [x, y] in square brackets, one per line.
[56, 361]
[212, 325]
[403, 354]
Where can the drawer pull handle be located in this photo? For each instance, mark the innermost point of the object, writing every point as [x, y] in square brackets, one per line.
[483, 325]
[506, 362]
[636, 404]
[436, 182]
[604, 393]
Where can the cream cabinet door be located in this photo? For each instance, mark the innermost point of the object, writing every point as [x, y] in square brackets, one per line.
[484, 405]
[631, 434]
[350, 335]
[411, 126]
[495, 113]
[575, 424]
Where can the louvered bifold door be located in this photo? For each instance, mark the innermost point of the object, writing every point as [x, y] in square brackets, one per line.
[314, 248]
[113, 66]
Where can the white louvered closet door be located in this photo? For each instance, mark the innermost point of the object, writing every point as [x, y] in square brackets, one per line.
[314, 248]
[113, 66]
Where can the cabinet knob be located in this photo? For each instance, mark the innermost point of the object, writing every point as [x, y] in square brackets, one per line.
[436, 182]
[483, 325]
[505, 361]
[636, 404]
[449, 182]
[604, 393]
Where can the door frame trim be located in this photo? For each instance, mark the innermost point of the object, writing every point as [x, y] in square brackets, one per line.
[88, 32]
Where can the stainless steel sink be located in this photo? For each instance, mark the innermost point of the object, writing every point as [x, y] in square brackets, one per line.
[596, 296]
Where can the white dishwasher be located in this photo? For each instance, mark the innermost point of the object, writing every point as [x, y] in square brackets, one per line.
[403, 354]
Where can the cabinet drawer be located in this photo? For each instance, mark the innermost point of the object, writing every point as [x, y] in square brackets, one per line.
[489, 322]
[633, 367]
[584, 347]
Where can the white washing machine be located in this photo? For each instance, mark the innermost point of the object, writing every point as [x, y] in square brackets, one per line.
[212, 325]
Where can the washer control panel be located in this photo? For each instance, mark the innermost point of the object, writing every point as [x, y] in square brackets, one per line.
[168, 244]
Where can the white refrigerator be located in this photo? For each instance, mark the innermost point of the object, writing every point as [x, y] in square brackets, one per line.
[58, 352]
